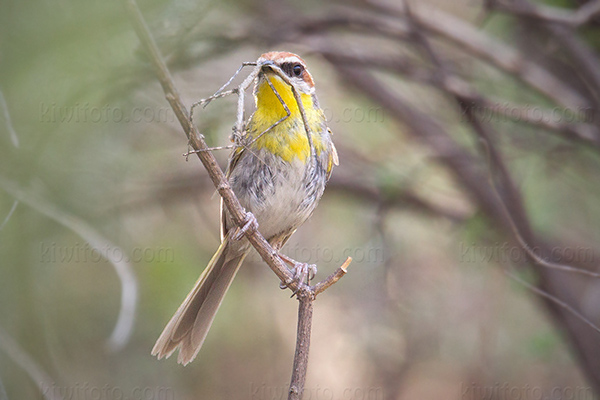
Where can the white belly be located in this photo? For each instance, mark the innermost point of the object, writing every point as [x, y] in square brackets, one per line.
[277, 195]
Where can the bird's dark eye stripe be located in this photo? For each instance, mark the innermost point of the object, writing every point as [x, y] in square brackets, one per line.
[292, 69]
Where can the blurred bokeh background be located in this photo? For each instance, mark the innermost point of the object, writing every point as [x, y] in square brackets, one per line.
[104, 225]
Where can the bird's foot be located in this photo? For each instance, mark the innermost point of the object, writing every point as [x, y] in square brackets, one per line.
[250, 224]
[303, 272]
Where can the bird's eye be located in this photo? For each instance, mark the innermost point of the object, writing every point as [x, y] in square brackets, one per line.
[298, 69]
[293, 70]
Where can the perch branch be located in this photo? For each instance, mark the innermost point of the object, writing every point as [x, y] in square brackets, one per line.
[306, 294]
[305, 312]
[196, 140]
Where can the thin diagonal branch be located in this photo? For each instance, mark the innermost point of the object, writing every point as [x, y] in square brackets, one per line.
[572, 19]
[305, 293]
[10, 213]
[586, 60]
[553, 299]
[486, 48]
[3, 395]
[522, 231]
[196, 140]
[7, 122]
[583, 132]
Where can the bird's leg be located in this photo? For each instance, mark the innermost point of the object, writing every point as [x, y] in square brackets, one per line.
[239, 91]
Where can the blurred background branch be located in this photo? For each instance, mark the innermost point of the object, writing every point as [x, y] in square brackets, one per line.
[17, 355]
[411, 200]
[129, 290]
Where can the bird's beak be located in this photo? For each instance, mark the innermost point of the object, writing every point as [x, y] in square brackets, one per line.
[266, 65]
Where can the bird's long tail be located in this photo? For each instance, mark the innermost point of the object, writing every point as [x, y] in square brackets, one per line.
[190, 324]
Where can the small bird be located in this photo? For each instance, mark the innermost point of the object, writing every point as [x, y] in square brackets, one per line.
[276, 176]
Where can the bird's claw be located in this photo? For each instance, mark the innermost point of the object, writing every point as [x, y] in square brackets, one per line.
[303, 272]
[250, 224]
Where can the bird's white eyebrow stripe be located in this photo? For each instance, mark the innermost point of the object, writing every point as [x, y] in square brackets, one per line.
[289, 60]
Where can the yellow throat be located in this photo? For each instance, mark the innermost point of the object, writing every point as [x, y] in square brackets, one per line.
[288, 139]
